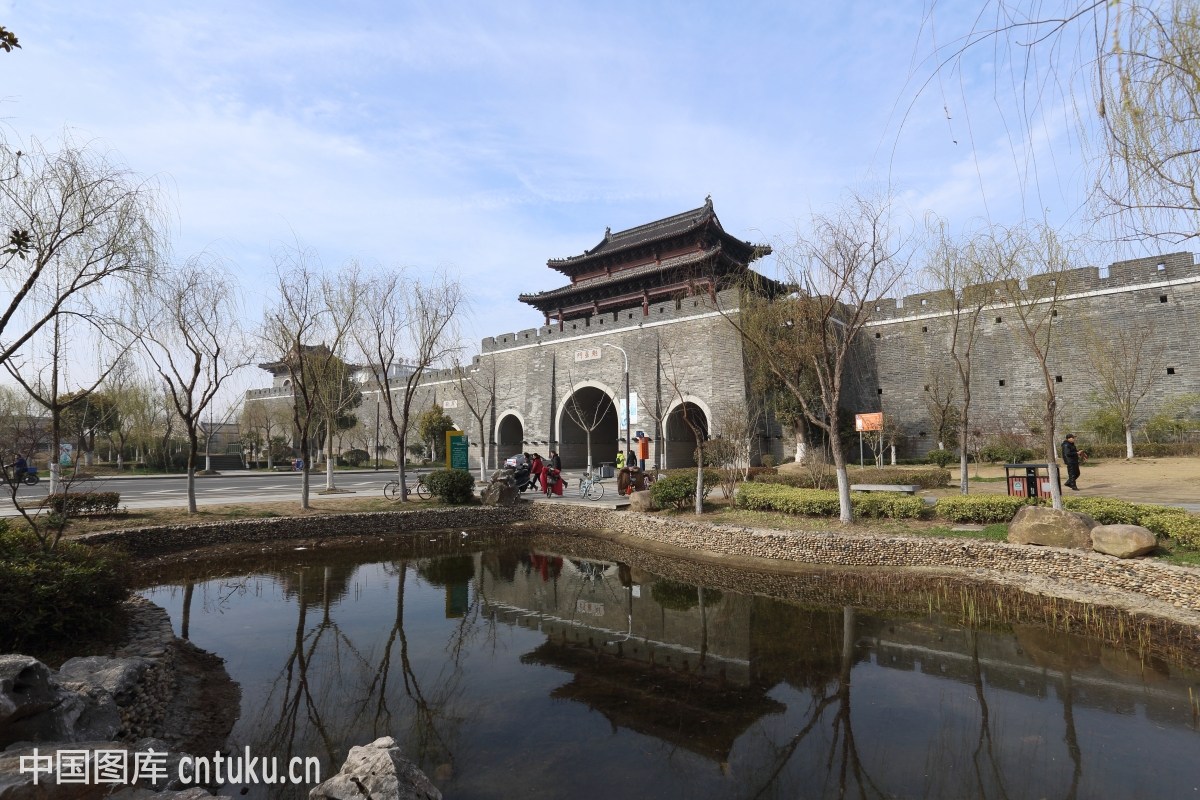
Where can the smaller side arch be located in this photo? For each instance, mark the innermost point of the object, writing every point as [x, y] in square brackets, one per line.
[509, 434]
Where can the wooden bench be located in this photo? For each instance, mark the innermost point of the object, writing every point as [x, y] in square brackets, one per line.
[884, 487]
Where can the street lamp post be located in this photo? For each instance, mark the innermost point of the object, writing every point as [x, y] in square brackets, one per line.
[628, 410]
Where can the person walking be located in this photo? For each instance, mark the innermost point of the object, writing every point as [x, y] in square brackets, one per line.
[1071, 455]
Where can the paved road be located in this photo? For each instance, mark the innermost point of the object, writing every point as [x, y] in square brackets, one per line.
[232, 487]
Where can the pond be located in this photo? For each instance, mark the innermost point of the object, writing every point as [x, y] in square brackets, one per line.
[518, 664]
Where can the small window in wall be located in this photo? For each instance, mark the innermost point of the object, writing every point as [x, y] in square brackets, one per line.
[631, 317]
[927, 387]
[924, 329]
[1058, 378]
[923, 434]
[1170, 370]
[695, 303]
[924, 301]
[1161, 267]
[678, 303]
[876, 308]
[600, 320]
[880, 391]
[1053, 282]
[661, 309]
[1054, 312]
[573, 327]
[999, 320]
[1162, 298]
[1002, 381]
[878, 335]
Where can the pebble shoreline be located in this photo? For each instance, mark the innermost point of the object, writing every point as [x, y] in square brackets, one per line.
[1144, 586]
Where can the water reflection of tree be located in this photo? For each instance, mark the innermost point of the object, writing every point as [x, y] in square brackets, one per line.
[329, 695]
[843, 758]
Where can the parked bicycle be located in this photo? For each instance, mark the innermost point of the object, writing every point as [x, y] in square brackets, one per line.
[391, 489]
[591, 487]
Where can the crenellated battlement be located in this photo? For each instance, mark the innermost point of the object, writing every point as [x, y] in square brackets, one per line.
[1119, 275]
[612, 321]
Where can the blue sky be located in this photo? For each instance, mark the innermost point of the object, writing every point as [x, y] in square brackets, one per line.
[485, 138]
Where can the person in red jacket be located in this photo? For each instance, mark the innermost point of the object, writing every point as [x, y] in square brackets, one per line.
[537, 471]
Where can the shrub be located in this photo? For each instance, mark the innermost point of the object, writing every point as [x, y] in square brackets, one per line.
[755, 473]
[451, 485]
[797, 480]
[940, 457]
[356, 457]
[80, 503]
[1174, 523]
[54, 597]
[980, 508]
[928, 478]
[1006, 453]
[1142, 449]
[768, 461]
[823, 503]
[678, 488]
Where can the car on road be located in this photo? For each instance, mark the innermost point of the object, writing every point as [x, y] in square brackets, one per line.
[515, 461]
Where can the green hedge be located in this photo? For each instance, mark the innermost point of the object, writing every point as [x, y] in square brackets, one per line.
[455, 486]
[980, 508]
[677, 487]
[941, 457]
[1141, 449]
[1174, 523]
[927, 478]
[51, 598]
[824, 503]
[79, 503]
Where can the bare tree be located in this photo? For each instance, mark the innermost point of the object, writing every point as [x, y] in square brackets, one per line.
[84, 237]
[849, 259]
[691, 418]
[587, 416]
[196, 345]
[80, 224]
[477, 384]
[296, 320]
[264, 421]
[734, 431]
[409, 330]
[336, 394]
[1126, 70]
[965, 273]
[1126, 365]
[1031, 264]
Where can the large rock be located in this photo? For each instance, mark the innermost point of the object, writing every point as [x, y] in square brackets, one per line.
[378, 772]
[502, 491]
[641, 501]
[1123, 541]
[34, 707]
[1051, 528]
[26, 688]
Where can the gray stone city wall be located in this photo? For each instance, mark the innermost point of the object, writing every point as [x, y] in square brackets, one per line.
[910, 341]
[685, 348]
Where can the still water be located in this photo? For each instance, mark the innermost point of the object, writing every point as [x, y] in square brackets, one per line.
[554, 666]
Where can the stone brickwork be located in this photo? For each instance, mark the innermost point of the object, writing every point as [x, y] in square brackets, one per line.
[678, 348]
[909, 340]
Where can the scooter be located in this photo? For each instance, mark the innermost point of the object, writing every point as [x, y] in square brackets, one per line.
[30, 478]
[522, 477]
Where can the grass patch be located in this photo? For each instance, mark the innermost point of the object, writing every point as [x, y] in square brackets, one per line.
[1180, 556]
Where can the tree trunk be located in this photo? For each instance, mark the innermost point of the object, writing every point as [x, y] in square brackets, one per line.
[1129, 441]
[193, 451]
[699, 477]
[329, 459]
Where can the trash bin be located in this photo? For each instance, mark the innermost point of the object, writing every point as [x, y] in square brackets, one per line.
[1027, 480]
[607, 470]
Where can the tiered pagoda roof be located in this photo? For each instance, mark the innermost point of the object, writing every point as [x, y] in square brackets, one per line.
[670, 257]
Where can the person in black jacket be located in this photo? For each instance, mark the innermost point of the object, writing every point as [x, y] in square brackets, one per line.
[1070, 454]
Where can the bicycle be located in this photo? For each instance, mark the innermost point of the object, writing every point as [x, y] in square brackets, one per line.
[591, 487]
[391, 489]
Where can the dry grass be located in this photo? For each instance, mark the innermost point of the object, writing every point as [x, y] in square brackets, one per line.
[144, 517]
